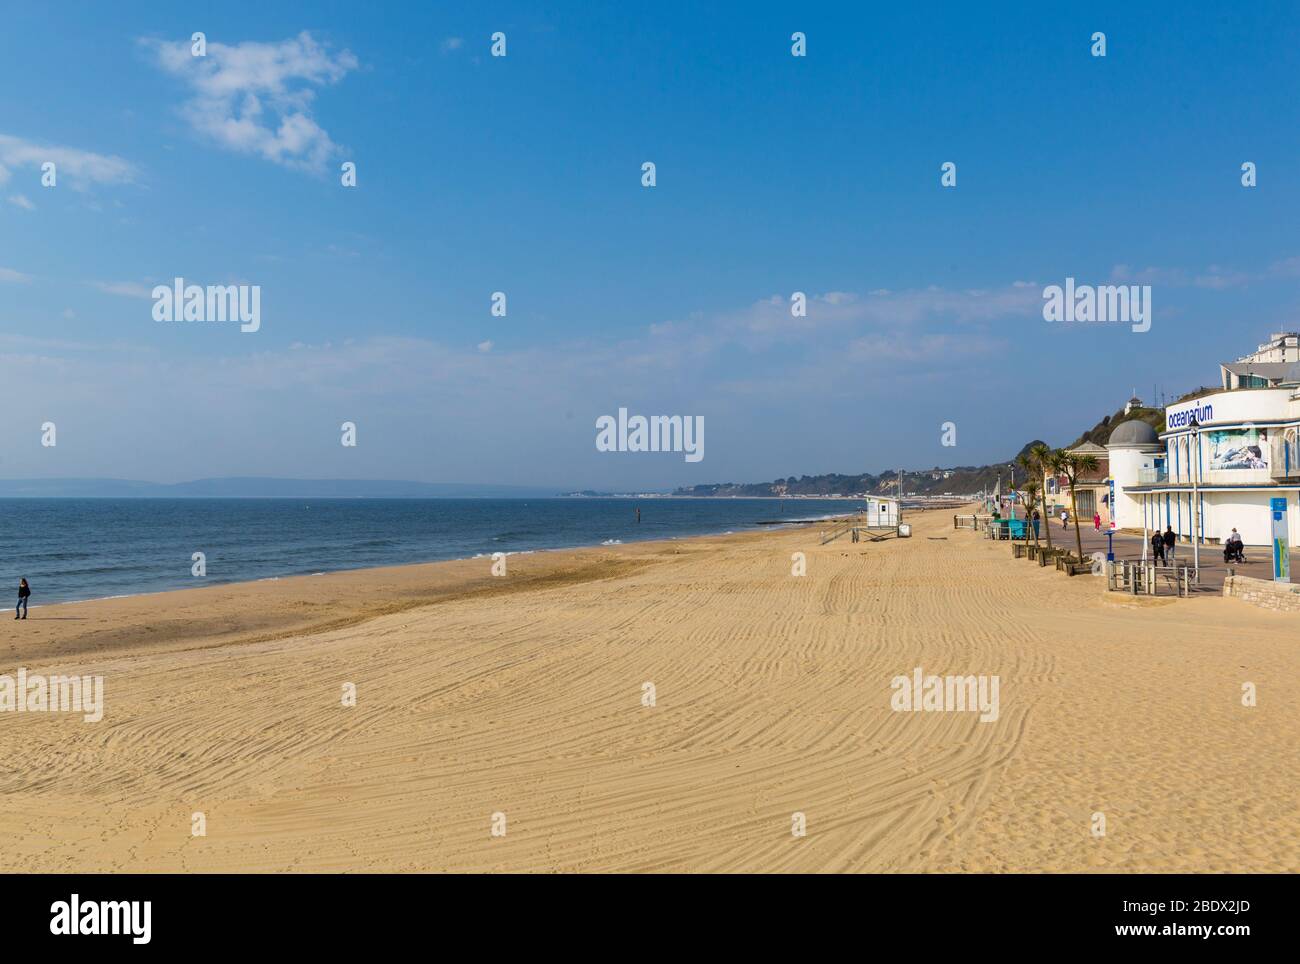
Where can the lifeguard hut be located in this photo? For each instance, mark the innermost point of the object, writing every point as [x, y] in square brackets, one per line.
[882, 517]
[882, 512]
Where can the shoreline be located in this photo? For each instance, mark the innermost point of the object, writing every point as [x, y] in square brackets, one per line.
[775, 524]
[171, 615]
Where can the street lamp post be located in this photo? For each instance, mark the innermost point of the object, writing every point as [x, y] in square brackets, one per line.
[1196, 502]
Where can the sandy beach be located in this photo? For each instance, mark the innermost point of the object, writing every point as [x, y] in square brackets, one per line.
[523, 696]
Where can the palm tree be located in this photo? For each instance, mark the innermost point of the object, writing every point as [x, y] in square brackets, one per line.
[1039, 456]
[1026, 496]
[1029, 495]
[1072, 465]
[1034, 462]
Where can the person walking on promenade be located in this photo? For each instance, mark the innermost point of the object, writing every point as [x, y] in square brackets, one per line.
[1157, 548]
[1171, 540]
[24, 591]
[1065, 519]
[1096, 521]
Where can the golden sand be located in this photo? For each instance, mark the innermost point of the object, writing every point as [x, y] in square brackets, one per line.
[524, 696]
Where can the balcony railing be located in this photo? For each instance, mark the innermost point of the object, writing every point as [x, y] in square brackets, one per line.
[1152, 476]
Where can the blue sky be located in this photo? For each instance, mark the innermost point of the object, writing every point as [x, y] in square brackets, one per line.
[522, 174]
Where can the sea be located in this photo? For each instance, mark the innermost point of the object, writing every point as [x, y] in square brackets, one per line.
[74, 549]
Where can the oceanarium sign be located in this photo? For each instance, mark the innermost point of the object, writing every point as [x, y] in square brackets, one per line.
[1229, 407]
[1183, 417]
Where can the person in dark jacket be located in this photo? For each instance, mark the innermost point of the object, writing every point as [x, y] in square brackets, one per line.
[24, 591]
[1157, 548]
[1171, 540]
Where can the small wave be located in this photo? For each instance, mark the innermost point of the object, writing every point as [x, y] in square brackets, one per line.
[612, 542]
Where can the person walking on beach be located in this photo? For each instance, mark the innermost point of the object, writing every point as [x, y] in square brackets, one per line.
[24, 591]
[1157, 548]
[1096, 521]
[1171, 540]
[1065, 519]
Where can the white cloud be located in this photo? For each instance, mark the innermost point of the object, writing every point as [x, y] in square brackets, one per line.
[22, 201]
[452, 43]
[13, 277]
[124, 289]
[418, 395]
[770, 318]
[1215, 277]
[256, 98]
[73, 166]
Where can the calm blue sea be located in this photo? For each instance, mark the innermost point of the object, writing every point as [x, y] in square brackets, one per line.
[72, 549]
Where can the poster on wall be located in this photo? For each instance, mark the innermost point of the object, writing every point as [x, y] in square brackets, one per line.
[1281, 550]
[1237, 449]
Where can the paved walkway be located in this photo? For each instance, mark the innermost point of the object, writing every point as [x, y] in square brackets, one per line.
[1259, 559]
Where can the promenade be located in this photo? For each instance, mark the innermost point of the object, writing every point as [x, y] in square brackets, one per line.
[1128, 547]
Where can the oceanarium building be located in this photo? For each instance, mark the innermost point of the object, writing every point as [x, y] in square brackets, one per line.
[1224, 455]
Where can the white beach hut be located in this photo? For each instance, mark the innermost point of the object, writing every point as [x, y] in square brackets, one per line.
[882, 512]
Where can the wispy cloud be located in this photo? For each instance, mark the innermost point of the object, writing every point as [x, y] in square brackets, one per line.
[123, 289]
[77, 168]
[1215, 277]
[256, 98]
[13, 277]
[22, 201]
[857, 350]
[883, 312]
[452, 43]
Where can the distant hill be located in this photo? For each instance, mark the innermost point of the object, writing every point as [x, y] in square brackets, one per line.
[958, 480]
[260, 488]
[1100, 433]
